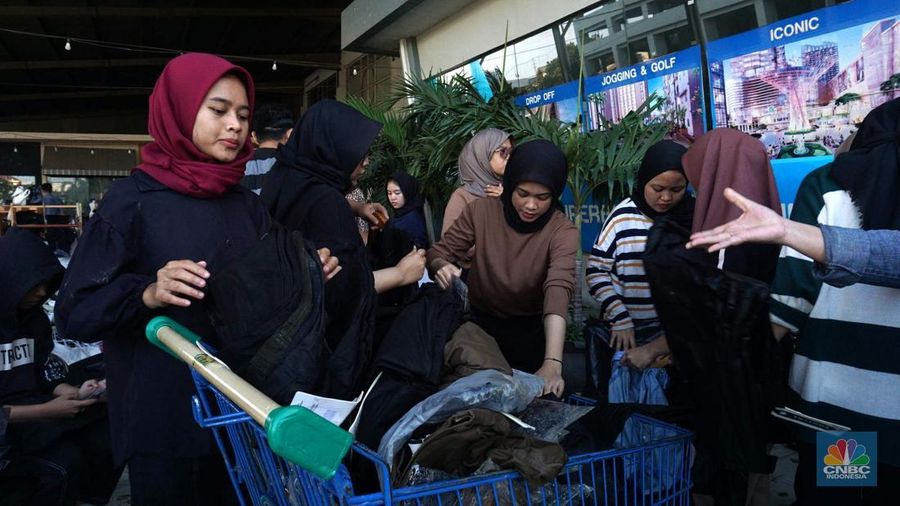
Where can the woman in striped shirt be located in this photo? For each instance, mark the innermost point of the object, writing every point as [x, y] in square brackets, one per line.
[615, 272]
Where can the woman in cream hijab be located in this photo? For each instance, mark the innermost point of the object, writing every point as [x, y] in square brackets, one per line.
[482, 163]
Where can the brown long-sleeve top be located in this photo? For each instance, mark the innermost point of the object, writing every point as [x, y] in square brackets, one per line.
[512, 274]
[458, 201]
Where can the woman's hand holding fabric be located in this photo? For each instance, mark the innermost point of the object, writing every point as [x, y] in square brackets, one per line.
[445, 275]
[551, 373]
[330, 264]
[412, 266]
[622, 339]
[176, 281]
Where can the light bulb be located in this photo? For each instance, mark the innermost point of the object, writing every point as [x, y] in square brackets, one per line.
[355, 71]
[274, 65]
[68, 46]
[92, 151]
[15, 149]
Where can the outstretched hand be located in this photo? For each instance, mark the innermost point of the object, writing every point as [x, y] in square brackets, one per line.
[757, 223]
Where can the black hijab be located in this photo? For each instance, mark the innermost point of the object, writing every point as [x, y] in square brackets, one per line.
[870, 171]
[328, 143]
[541, 162]
[409, 186]
[663, 156]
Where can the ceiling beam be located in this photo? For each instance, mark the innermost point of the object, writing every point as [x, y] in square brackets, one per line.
[326, 60]
[324, 13]
[272, 87]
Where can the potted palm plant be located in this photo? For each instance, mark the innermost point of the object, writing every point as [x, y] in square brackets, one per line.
[424, 137]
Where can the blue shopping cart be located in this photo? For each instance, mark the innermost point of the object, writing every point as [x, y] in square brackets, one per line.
[657, 471]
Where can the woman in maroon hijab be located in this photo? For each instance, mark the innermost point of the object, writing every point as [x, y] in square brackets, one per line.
[148, 251]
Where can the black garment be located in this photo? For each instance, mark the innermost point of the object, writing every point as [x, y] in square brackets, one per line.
[411, 358]
[411, 224]
[870, 171]
[305, 192]
[538, 161]
[267, 308]
[187, 482]
[662, 157]
[717, 326]
[26, 338]
[140, 227]
[72, 458]
[521, 338]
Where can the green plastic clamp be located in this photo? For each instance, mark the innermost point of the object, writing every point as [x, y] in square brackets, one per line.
[164, 321]
[308, 440]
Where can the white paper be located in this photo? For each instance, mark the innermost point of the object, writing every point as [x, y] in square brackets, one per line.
[352, 429]
[333, 410]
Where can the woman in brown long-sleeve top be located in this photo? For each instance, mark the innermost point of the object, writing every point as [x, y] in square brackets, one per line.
[523, 267]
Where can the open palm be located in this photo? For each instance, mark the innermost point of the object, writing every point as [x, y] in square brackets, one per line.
[757, 223]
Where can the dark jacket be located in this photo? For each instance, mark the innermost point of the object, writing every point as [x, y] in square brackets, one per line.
[26, 338]
[413, 224]
[141, 226]
[717, 326]
[267, 308]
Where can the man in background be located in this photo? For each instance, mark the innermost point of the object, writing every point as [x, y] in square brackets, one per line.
[272, 126]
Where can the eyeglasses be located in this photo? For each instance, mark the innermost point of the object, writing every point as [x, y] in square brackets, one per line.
[504, 152]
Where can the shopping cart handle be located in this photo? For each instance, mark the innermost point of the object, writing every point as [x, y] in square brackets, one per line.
[307, 439]
[294, 432]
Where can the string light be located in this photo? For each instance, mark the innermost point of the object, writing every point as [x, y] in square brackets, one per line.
[152, 49]
[274, 65]
[15, 149]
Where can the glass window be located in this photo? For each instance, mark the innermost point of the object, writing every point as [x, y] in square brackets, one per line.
[731, 23]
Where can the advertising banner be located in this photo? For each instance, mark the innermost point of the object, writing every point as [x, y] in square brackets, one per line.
[802, 84]
[675, 77]
[560, 102]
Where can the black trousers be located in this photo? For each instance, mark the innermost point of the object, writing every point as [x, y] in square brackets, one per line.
[161, 479]
[55, 463]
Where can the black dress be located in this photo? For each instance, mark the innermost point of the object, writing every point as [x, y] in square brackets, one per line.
[140, 227]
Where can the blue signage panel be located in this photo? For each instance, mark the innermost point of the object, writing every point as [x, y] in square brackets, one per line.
[801, 85]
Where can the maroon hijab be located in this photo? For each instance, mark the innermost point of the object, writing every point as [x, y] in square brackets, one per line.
[727, 158]
[172, 158]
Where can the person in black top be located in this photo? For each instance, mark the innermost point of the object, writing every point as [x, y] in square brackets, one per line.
[58, 439]
[305, 191]
[148, 251]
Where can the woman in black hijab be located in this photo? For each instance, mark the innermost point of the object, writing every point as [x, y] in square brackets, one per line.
[615, 271]
[405, 198]
[321, 162]
[523, 265]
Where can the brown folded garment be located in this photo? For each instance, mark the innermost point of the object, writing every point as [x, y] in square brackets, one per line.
[470, 350]
[470, 437]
